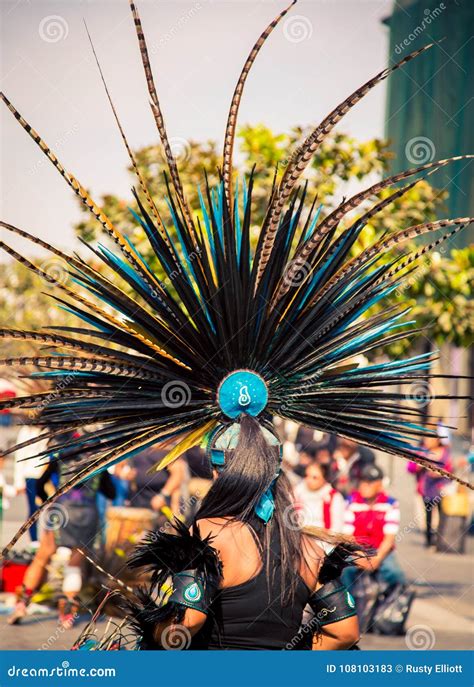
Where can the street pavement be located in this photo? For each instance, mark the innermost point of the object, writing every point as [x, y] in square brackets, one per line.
[442, 615]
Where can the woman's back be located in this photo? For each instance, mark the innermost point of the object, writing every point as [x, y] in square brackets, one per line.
[253, 609]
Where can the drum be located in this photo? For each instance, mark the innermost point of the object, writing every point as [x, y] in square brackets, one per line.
[126, 526]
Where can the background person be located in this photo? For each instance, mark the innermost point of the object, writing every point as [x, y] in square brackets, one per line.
[351, 459]
[155, 490]
[200, 477]
[306, 456]
[324, 456]
[27, 470]
[70, 523]
[320, 503]
[431, 484]
[373, 518]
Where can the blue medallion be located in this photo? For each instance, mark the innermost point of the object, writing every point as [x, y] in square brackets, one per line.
[242, 391]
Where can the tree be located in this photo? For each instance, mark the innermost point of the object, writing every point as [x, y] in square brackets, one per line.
[26, 302]
[440, 296]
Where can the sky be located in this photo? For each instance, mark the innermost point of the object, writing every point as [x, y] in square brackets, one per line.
[320, 53]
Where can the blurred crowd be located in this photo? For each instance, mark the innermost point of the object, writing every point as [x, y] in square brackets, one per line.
[337, 485]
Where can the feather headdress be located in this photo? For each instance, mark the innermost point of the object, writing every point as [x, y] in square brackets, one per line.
[270, 331]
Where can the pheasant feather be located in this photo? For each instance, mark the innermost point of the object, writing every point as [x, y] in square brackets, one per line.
[150, 352]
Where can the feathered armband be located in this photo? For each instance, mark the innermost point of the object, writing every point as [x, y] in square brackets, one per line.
[332, 603]
[185, 573]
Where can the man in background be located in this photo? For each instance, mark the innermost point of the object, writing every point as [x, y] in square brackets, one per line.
[373, 518]
[351, 459]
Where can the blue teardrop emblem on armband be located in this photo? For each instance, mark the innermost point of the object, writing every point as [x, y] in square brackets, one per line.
[350, 600]
[193, 593]
[243, 391]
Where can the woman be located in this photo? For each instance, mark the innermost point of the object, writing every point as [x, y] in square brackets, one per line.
[151, 489]
[431, 484]
[253, 572]
[70, 524]
[240, 331]
[27, 472]
[320, 504]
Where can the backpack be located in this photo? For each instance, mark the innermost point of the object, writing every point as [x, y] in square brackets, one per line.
[392, 609]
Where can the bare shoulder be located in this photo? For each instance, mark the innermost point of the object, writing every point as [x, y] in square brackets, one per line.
[227, 536]
[220, 529]
[312, 548]
[312, 556]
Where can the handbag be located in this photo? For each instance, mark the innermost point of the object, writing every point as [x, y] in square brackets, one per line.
[392, 609]
[457, 504]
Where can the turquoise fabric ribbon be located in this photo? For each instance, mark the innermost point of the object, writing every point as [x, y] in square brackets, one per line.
[227, 441]
[266, 505]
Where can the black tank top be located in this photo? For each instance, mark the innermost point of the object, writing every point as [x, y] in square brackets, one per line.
[253, 615]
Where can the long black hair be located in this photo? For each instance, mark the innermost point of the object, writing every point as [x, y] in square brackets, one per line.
[249, 471]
